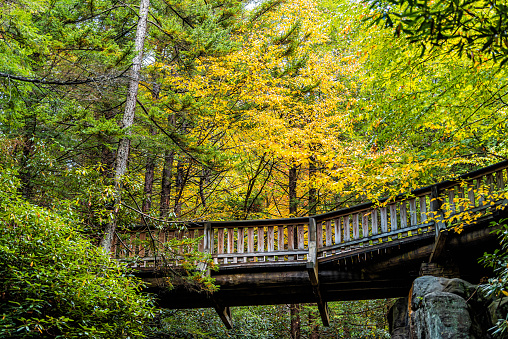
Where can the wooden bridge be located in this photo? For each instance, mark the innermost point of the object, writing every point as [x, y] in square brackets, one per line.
[368, 251]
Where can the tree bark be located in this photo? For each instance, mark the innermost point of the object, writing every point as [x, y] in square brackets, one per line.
[312, 188]
[122, 153]
[179, 185]
[169, 158]
[313, 326]
[293, 210]
[148, 188]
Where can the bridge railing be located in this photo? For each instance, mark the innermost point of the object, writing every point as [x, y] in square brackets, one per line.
[250, 241]
[425, 210]
[254, 242]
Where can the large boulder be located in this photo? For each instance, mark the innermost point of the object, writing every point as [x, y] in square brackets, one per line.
[440, 308]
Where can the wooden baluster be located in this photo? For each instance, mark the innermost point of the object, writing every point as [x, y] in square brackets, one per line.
[301, 237]
[338, 231]
[328, 230]
[231, 240]
[393, 217]
[499, 180]
[291, 238]
[261, 242]
[437, 212]
[190, 235]
[280, 238]
[375, 226]
[240, 242]
[162, 241]
[451, 201]
[142, 244]
[201, 246]
[489, 182]
[132, 246]
[470, 194]
[412, 212]
[423, 209]
[250, 240]
[319, 234]
[220, 241]
[356, 230]
[231, 243]
[460, 196]
[479, 187]
[365, 224]
[270, 239]
[403, 217]
[384, 221]
[208, 243]
[347, 232]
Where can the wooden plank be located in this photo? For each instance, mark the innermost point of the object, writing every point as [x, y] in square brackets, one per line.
[142, 243]
[489, 181]
[270, 239]
[347, 234]
[220, 240]
[470, 194]
[393, 217]
[250, 239]
[265, 253]
[382, 235]
[261, 239]
[356, 230]
[413, 217]
[423, 209]
[338, 233]
[365, 224]
[291, 238]
[403, 214]
[224, 314]
[301, 236]
[438, 246]
[201, 246]
[375, 226]
[499, 180]
[231, 240]
[319, 234]
[240, 242]
[328, 230]
[479, 187]
[451, 200]
[280, 238]
[162, 239]
[460, 196]
[384, 220]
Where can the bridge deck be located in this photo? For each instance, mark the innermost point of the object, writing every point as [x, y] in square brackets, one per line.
[372, 250]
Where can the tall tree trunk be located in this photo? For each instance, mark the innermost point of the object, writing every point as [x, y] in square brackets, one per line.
[122, 153]
[293, 210]
[312, 188]
[169, 158]
[150, 165]
[148, 188]
[313, 326]
[179, 185]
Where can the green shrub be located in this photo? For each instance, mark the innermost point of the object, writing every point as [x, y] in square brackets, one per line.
[55, 284]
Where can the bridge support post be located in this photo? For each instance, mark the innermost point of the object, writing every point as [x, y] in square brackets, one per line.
[312, 269]
[207, 246]
[435, 207]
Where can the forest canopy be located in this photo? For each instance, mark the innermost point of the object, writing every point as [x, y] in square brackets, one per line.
[115, 114]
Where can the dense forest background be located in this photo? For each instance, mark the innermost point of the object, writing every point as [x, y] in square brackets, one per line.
[120, 113]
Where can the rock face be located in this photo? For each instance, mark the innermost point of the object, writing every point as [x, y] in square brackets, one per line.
[440, 308]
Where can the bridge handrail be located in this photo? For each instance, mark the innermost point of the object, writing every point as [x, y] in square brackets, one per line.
[251, 241]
